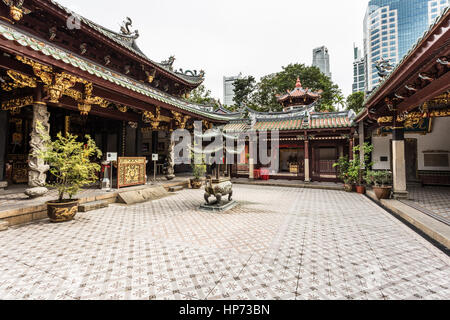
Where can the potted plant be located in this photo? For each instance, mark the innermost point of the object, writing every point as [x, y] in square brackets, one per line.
[343, 172]
[382, 183]
[198, 170]
[354, 169]
[358, 173]
[71, 167]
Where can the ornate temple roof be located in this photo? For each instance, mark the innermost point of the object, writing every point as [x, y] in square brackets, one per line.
[304, 119]
[28, 41]
[127, 39]
[438, 21]
[299, 93]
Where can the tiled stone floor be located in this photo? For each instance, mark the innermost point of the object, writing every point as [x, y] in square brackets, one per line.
[280, 243]
[14, 197]
[435, 199]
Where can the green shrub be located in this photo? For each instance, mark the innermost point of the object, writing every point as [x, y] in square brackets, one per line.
[70, 162]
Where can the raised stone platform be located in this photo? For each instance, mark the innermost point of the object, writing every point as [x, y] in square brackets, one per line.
[219, 207]
[433, 228]
[176, 188]
[144, 195]
[90, 206]
[4, 225]
[16, 208]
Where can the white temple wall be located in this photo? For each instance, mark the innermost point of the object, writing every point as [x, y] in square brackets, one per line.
[437, 140]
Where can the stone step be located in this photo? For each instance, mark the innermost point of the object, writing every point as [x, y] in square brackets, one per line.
[176, 188]
[90, 206]
[144, 195]
[4, 225]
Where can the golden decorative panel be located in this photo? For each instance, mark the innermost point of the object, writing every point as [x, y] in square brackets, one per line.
[15, 104]
[131, 171]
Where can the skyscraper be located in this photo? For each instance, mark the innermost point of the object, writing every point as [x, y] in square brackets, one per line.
[228, 89]
[321, 60]
[358, 71]
[392, 27]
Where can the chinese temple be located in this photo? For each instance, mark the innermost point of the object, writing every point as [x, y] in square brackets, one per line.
[310, 142]
[407, 117]
[75, 76]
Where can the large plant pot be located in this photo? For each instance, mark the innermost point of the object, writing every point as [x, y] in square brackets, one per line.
[361, 189]
[382, 192]
[196, 184]
[62, 211]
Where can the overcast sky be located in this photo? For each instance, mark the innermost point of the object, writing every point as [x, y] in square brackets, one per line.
[231, 36]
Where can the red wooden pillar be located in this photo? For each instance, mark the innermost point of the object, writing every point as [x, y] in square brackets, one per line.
[351, 149]
[313, 166]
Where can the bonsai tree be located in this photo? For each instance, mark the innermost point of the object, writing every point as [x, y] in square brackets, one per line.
[385, 177]
[70, 162]
[382, 178]
[382, 181]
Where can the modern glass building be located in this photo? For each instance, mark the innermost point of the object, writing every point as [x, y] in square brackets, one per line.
[358, 71]
[321, 60]
[228, 89]
[392, 27]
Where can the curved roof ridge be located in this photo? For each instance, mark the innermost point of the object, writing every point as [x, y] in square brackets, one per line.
[124, 41]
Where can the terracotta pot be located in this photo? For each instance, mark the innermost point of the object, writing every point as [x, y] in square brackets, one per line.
[196, 184]
[361, 189]
[62, 211]
[382, 192]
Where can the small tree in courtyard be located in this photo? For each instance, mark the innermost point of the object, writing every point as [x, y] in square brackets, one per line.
[70, 162]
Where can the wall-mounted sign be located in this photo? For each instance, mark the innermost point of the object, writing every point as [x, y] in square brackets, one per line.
[111, 156]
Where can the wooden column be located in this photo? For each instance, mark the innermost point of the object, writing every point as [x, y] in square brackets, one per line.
[251, 165]
[361, 144]
[3, 144]
[313, 161]
[139, 138]
[122, 139]
[307, 161]
[398, 161]
[351, 145]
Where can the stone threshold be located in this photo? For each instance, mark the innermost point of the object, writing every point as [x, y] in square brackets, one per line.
[290, 185]
[27, 214]
[433, 228]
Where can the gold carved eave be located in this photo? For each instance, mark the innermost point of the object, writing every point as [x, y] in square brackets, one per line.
[58, 84]
[153, 119]
[414, 117]
[14, 105]
[180, 120]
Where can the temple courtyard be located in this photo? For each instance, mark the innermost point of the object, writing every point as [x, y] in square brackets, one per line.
[279, 243]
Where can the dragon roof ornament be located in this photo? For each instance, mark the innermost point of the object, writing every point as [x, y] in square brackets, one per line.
[125, 29]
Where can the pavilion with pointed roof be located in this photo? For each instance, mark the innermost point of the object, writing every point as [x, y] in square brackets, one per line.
[299, 96]
[310, 142]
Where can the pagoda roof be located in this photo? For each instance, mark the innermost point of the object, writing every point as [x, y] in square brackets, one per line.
[305, 119]
[299, 92]
[129, 43]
